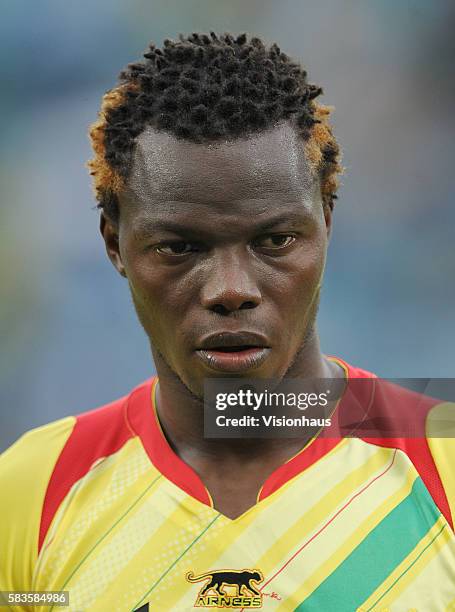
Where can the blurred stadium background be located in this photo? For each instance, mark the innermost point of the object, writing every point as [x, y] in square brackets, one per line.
[69, 336]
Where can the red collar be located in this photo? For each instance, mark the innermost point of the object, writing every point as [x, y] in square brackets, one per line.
[144, 421]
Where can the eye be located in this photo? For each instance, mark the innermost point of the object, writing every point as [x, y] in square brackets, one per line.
[179, 247]
[275, 241]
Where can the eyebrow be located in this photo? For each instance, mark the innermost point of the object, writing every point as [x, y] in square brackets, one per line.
[282, 219]
[148, 225]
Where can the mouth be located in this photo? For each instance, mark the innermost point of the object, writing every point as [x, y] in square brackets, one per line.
[233, 352]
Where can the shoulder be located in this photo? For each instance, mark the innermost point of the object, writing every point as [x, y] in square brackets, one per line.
[39, 469]
[24, 465]
[421, 426]
[25, 470]
[440, 434]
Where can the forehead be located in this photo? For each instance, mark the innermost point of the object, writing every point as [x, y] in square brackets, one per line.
[270, 166]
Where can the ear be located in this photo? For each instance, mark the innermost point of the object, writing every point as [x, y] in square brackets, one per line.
[328, 216]
[109, 231]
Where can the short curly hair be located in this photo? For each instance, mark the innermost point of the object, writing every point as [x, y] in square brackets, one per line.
[205, 88]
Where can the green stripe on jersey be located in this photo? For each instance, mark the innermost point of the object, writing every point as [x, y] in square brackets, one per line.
[373, 560]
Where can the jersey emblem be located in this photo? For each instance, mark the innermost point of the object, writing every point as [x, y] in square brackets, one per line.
[228, 589]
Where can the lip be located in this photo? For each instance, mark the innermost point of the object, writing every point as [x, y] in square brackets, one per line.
[252, 350]
[239, 361]
[226, 339]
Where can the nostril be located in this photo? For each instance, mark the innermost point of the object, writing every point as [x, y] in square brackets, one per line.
[223, 310]
[220, 309]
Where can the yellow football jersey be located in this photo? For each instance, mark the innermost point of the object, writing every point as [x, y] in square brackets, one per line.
[99, 505]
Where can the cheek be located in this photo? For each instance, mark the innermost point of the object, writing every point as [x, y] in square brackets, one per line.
[160, 297]
[146, 306]
[156, 312]
[295, 288]
[145, 288]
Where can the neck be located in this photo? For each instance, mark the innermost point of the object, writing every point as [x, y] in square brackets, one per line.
[181, 414]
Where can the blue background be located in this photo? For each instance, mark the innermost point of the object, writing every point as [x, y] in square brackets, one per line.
[69, 336]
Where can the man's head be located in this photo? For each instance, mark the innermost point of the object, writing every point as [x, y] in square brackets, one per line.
[216, 172]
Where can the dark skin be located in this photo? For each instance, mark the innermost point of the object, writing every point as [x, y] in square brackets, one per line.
[229, 236]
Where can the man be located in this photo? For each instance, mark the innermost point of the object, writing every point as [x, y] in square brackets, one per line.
[215, 171]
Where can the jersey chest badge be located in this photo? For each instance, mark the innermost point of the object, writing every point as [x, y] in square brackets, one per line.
[228, 588]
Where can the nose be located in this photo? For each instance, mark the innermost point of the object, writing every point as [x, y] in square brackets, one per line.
[230, 284]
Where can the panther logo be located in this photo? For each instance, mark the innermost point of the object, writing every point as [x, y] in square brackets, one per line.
[229, 588]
